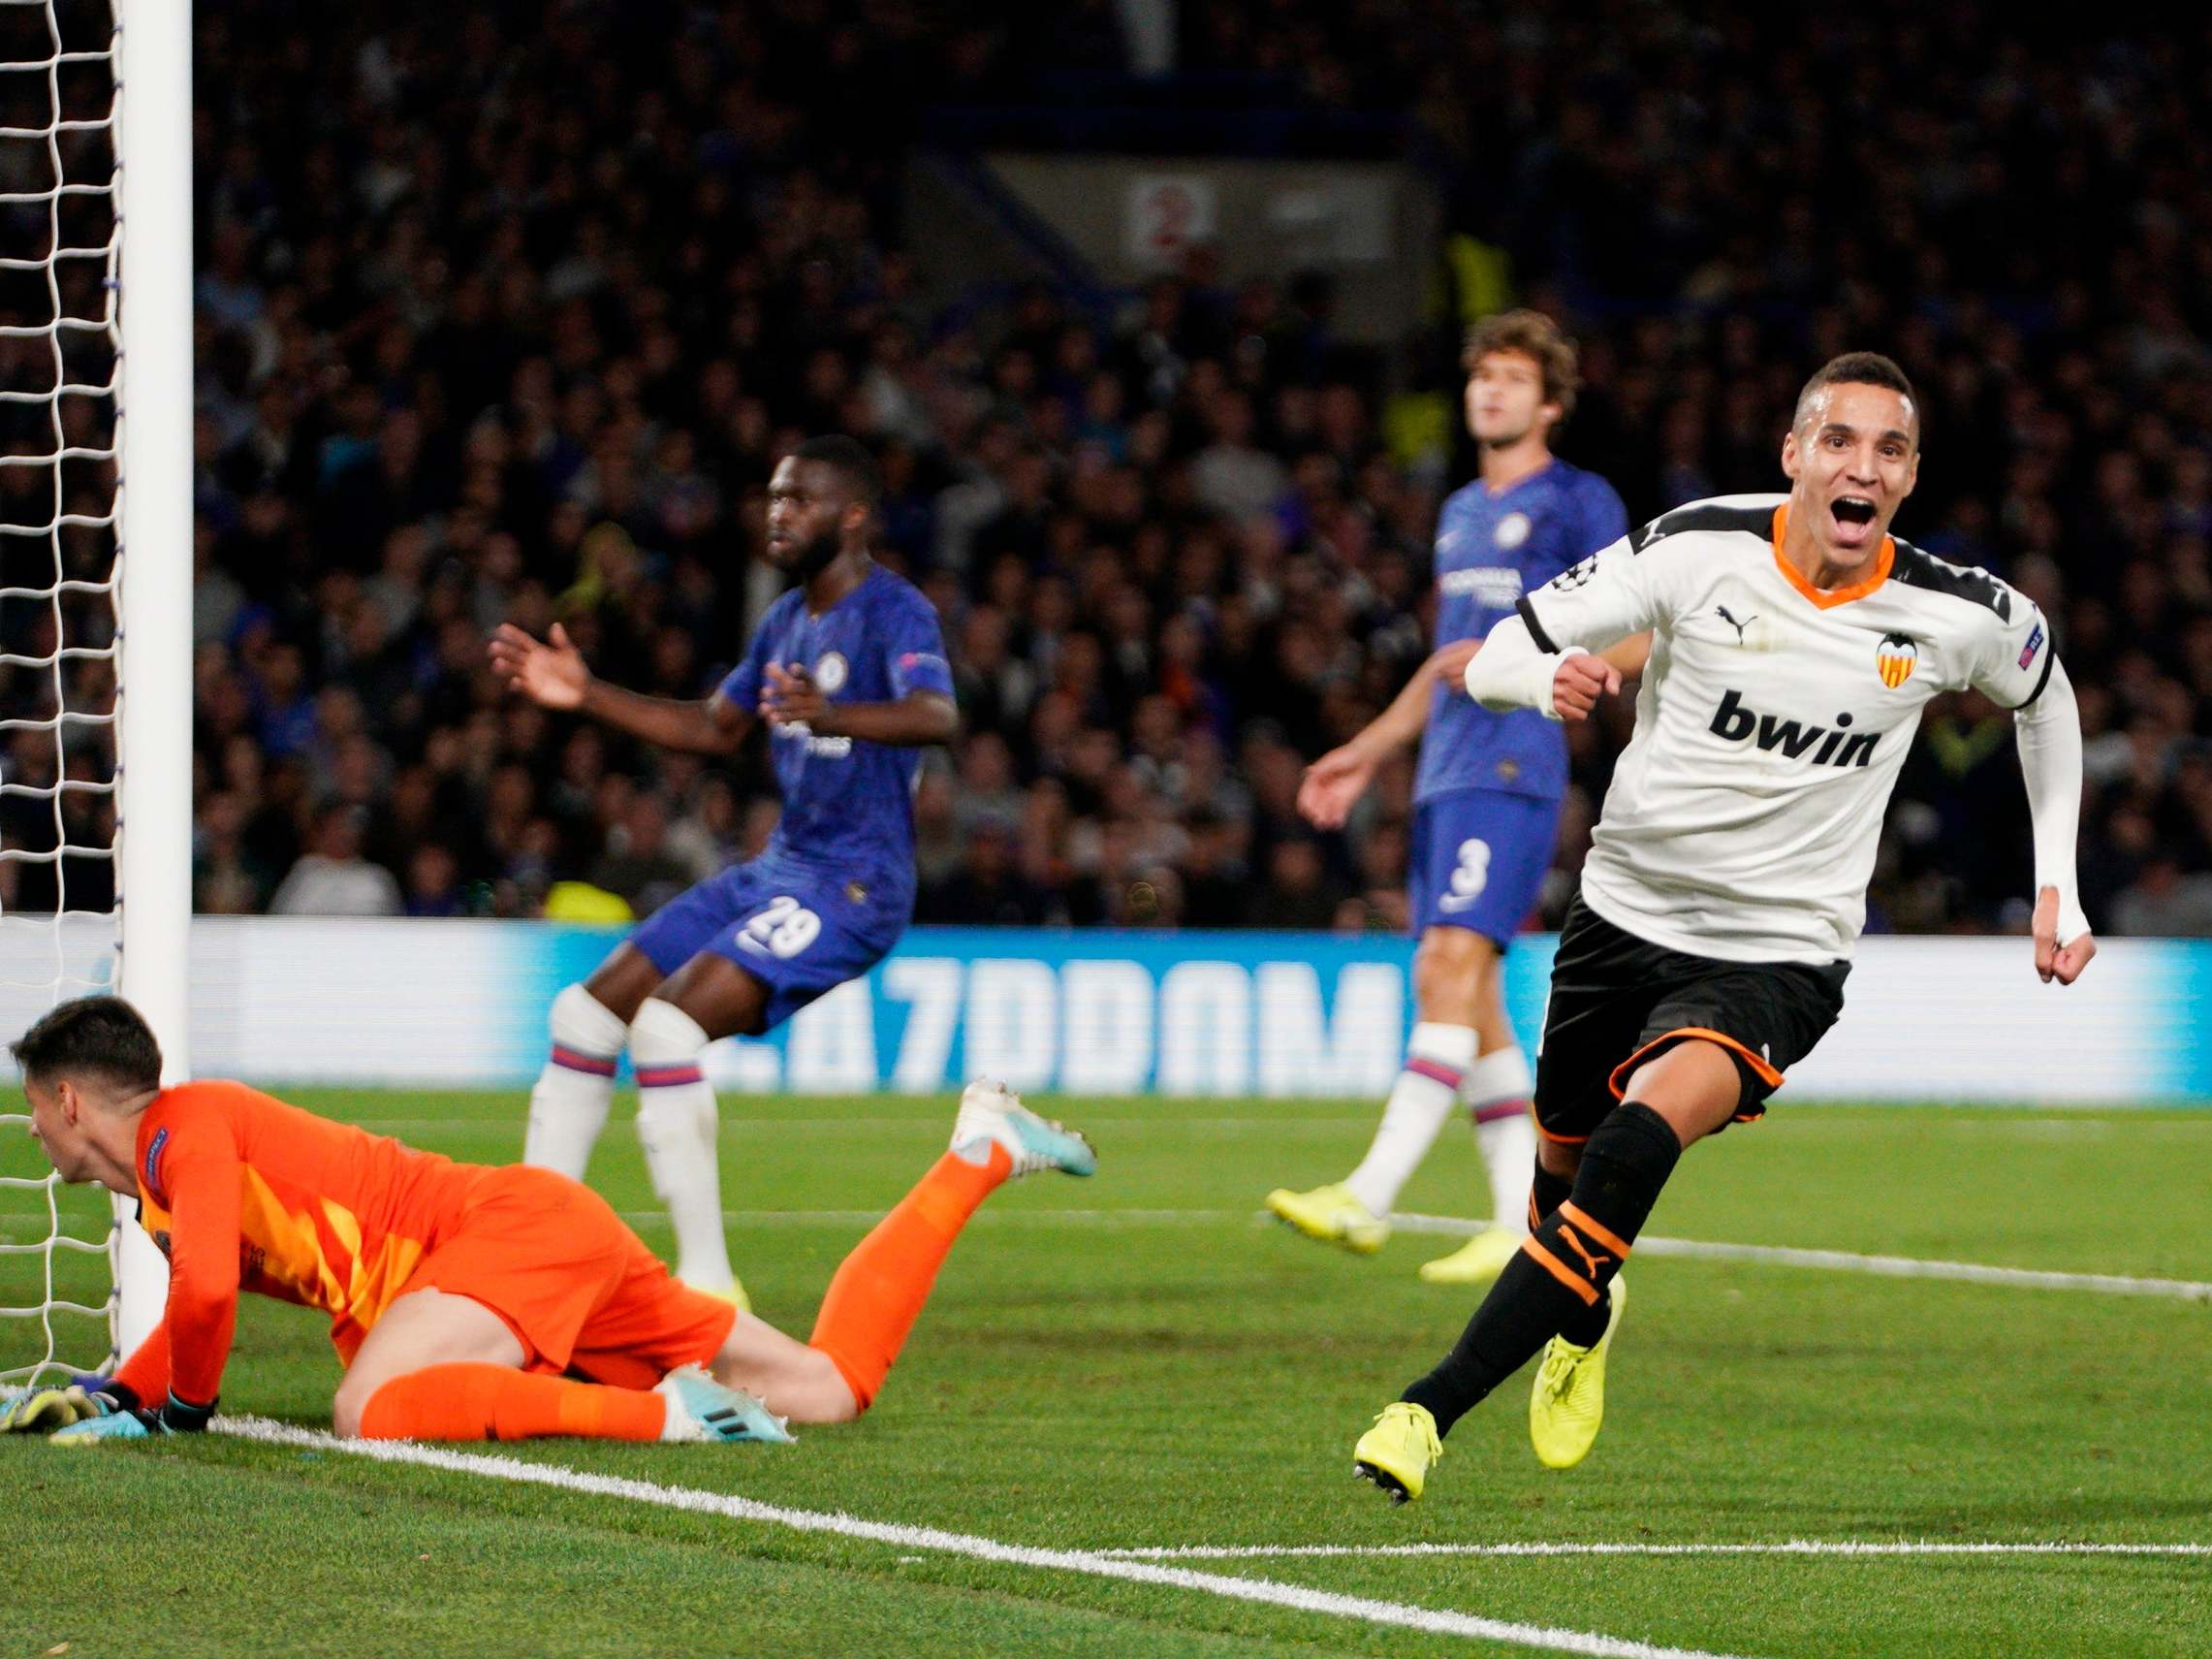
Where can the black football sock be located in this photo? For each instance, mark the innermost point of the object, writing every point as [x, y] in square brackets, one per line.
[1558, 1281]
[1584, 1326]
[1546, 1192]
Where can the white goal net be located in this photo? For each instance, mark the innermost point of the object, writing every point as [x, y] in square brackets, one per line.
[77, 616]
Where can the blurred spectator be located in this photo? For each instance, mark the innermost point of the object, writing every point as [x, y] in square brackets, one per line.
[333, 880]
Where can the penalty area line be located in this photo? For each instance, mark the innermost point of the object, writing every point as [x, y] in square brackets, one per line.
[1792, 1547]
[1880, 1266]
[1090, 1563]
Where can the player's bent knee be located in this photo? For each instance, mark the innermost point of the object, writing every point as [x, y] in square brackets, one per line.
[1693, 1084]
[661, 1033]
[581, 1021]
[1451, 971]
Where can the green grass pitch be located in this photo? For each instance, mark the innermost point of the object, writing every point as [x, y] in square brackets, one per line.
[1136, 1361]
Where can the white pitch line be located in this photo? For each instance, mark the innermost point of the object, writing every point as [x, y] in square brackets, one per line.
[1766, 1254]
[1795, 1547]
[997, 1218]
[1881, 1266]
[1296, 1597]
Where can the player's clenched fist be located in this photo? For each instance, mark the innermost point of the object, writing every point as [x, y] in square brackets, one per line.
[1581, 680]
[2054, 960]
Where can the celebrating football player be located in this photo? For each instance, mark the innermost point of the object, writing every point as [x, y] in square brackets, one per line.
[1796, 643]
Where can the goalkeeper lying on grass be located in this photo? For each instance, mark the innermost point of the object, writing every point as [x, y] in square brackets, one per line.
[466, 1302]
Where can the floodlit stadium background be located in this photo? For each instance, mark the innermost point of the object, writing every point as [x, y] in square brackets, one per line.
[1154, 319]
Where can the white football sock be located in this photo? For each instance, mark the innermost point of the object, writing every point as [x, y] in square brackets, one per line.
[568, 1106]
[677, 1125]
[1496, 1092]
[1420, 1101]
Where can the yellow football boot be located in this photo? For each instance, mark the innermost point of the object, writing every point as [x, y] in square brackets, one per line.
[1333, 1215]
[1567, 1404]
[1397, 1452]
[1477, 1261]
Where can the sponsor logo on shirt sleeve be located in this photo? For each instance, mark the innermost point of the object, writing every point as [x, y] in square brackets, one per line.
[2034, 645]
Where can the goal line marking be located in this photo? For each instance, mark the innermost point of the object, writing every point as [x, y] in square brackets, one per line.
[1793, 1546]
[1881, 1266]
[1092, 1563]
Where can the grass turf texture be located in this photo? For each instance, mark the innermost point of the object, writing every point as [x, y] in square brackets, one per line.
[1135, 1361]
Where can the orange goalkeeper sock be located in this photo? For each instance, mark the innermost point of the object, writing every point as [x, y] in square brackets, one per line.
[491, 1402]
[879, 1289]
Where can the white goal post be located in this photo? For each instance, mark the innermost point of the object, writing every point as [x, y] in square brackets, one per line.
[96, 210]
[153, 565]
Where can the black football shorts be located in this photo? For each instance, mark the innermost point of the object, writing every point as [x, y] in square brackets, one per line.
[1618, 1000]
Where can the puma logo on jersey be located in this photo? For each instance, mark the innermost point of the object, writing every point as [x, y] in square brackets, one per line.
[1825, 745]
[1728, 617]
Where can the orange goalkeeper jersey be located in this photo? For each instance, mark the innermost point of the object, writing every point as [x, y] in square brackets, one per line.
[242, 1192]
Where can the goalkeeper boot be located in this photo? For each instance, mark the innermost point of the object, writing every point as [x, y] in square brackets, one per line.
[1333, 1215]
[990, 1111]
[1397, 1452]
[698, 1408]
[115, 1425]
[1477, 1261]
[1568, 1403]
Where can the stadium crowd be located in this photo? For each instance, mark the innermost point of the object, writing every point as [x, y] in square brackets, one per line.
[507, 318]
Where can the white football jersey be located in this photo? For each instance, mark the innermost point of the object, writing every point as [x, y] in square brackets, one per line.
[1742, 818]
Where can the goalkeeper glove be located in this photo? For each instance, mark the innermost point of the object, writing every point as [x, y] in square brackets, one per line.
[82, 1398]
[137, 1423]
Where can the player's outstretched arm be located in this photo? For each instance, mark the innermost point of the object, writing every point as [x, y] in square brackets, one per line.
[789, 696]
[2048, 734]
[1334, 783]
[552, 674]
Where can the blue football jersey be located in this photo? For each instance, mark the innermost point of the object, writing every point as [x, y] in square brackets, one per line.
[1489, 551]
[848, 805]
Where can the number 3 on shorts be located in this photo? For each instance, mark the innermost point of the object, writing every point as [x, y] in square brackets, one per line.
[784, 928]
[1469, 877]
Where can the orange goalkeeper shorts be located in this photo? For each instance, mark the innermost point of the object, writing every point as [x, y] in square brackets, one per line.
[580, 1291]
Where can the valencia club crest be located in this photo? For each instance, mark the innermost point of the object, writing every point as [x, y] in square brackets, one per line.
[1894, 659]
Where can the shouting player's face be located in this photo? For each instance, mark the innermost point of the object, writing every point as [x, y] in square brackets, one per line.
[807, 507]
[1851, 461]
[1506, 400]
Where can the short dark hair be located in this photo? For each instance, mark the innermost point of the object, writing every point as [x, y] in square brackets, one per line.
[103, 1036]
[1857, 368]
[849, 460]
